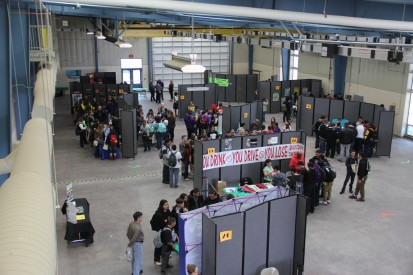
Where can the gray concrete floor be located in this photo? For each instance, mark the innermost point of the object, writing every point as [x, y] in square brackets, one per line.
[345, 237]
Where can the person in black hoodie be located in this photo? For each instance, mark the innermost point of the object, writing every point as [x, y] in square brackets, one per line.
[159, 221]
[213, 198]
[315, 130]
[331, 137]
[347, 137]
[351, 164]
[179, 208]
[322, 132]
[195, 200]
[310, 182]
[362, 172]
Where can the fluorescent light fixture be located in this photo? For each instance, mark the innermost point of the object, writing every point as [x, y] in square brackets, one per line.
[100, 36]
[88, 32]
[122, 44]
[183, 64]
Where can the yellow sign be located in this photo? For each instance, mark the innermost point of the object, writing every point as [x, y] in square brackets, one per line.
[277, 88]
[80, 217]
[225, 236]
[308, 106]
[182, 97]
[293, 140]
[211, 151]
[245, 115]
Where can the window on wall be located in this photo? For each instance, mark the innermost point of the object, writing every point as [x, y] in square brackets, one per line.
[212, 55]
[294, 56]
[409, 130]
[132, 71]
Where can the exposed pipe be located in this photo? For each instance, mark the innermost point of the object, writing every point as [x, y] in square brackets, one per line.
[7, 162]
[227, 10]
[44, 95]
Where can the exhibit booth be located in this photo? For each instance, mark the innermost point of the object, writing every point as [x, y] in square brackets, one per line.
[310, 109]
[246, 234]
[232, 159]
[232, 115]
[202, 95]
[276, 91]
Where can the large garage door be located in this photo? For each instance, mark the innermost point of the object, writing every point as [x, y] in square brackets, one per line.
[212, 55]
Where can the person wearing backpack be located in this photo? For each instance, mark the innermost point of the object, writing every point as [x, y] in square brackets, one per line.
[136, 237]
[164, 154]
[204, 121]
[351, 164]
[159, 221]
[328, 184]
[174, 164]
[362, 173]
[168, 238]
[112, 142]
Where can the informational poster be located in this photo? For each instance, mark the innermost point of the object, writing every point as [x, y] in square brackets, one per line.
[275, 97]
[273, 140]
[250, 155]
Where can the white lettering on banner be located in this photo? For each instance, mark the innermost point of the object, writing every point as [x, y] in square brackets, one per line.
[251, 155]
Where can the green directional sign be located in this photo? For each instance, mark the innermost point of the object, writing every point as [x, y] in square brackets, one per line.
[219, 81]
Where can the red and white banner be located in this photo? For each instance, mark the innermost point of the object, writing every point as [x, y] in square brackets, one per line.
[251, 155]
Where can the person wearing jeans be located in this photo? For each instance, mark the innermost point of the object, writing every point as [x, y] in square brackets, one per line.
[174, 170]
[362, 173]
[145, 137]
[351, 164]
[136, 237]
[168, 239]
[347, 137]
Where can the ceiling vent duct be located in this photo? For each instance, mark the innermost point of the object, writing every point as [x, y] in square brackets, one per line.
[183, 64]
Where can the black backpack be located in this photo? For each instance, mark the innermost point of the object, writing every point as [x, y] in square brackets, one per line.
[330, 172]
[172, 160]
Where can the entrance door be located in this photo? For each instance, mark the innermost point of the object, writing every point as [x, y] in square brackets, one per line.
[132, 76]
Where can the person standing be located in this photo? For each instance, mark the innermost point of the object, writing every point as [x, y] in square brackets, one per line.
[166, 148]
[286, 109]
[158, 89]
[174, 163]
[346, 138]
[264, 108]
[310, 181]
[162, 86]
[152, 91]
[81, 129]
[179, 208]
[168, 238]
[136, 237]
[358, 144]
[171, 90]
[195, 199]
[190, 123]
[145, 137]
[351, 164]
[362, 173]
[159, 221]
[315, 130]
[322, 133]
[176, 104]
[267, 171]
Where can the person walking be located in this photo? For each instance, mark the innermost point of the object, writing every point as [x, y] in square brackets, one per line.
[351, 165]
[362, 173]
[159, 221]
[171, 90]
[136, 237]
[174, 163]
[168, 237]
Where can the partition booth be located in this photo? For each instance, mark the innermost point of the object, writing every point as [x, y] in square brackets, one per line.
[232, 116]
[202, 95]
[232, 159]
[276, 91]
[310, 109]
[245, 235]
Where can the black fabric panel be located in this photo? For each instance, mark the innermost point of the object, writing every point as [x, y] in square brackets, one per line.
[210, 96]
[286, 88]
[282, 234]
[295, 87]
[209, 243]
[255, 239]
[286, 139]
[367, 111]
[211, 174]
[246, 114]
[305, 84]
[235, 116]
[377, 110]
[229, 253]
[264, 90]
[241, 88]
[198, 99]
[258, 112]
[231, 174]
[185, 97]
[385, 133]
[316, 87]
[266, 141]
[252, 86]
[336, 109]
[252, 170]
[254, 111]
[321, 107]
[112, 90]
[306, 118]
[221, 91]
[100, 93]
[351, 110]
[87, 91]
[230, 96]
[128, 124]
[300, 232]
[226, 120]
[275, 98]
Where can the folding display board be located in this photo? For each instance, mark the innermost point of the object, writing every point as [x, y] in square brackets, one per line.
[241, 88]
[385, 133]
[264, 90]
[75, 92]
[184, 98]
[295, 87]
[300, 229]
[305, 85]
[230, 91]
[88, 93]
[252, 82]
[124, 88]
[235, 117]
[206, 147]
[129, 140]
[306, 115]
[254, 110]
[289, 138]
[100, 94]
[286, 88]
[231, 174]
[281, 237]
[246, 114]
[252, 170]
[259, 111]
[226, 120]
[209, 244]
[316, 87]
[376, 118]
[321, 107]
[268, 140]
[255, 239]
[221, 91]
[198, 99]
[210, 95]
[367, 111]
[336, 109]
[351, 110]
[112, 90]
[275, 97]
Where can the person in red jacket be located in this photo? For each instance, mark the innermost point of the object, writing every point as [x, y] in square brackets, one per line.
[296, 158]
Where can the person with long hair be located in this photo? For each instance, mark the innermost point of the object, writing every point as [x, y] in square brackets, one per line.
[159, 221]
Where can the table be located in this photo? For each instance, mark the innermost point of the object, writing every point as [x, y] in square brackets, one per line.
[238, 193]
[83, 230]
[141, 90]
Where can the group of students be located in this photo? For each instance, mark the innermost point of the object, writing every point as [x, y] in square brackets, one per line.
[332, 138]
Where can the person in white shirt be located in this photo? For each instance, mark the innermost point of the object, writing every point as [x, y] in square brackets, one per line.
[174, 169]
[361, 128]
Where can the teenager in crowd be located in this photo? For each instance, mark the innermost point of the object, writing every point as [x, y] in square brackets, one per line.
[267, 171]
[351, 165]
[195, 200]
[158, 222]
[178, 208]
[213, 198]
[171, 90]
[362, 173]
[136, 238]
[346, 139]
[174, 169]
[168, 238]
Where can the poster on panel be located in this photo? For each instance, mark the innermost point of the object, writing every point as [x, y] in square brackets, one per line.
[295, 87]
[286, 88]
[275, 97]
[252, 170]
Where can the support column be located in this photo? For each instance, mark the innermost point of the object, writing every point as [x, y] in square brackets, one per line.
[285, 61]
[340, 68]
[250, 58]
[5, 80]
[231, 65]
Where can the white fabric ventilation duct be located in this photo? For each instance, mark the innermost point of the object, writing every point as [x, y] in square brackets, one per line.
[27, 204]
[183, 64]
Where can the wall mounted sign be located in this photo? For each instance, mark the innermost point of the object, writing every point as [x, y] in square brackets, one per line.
[225, 236]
